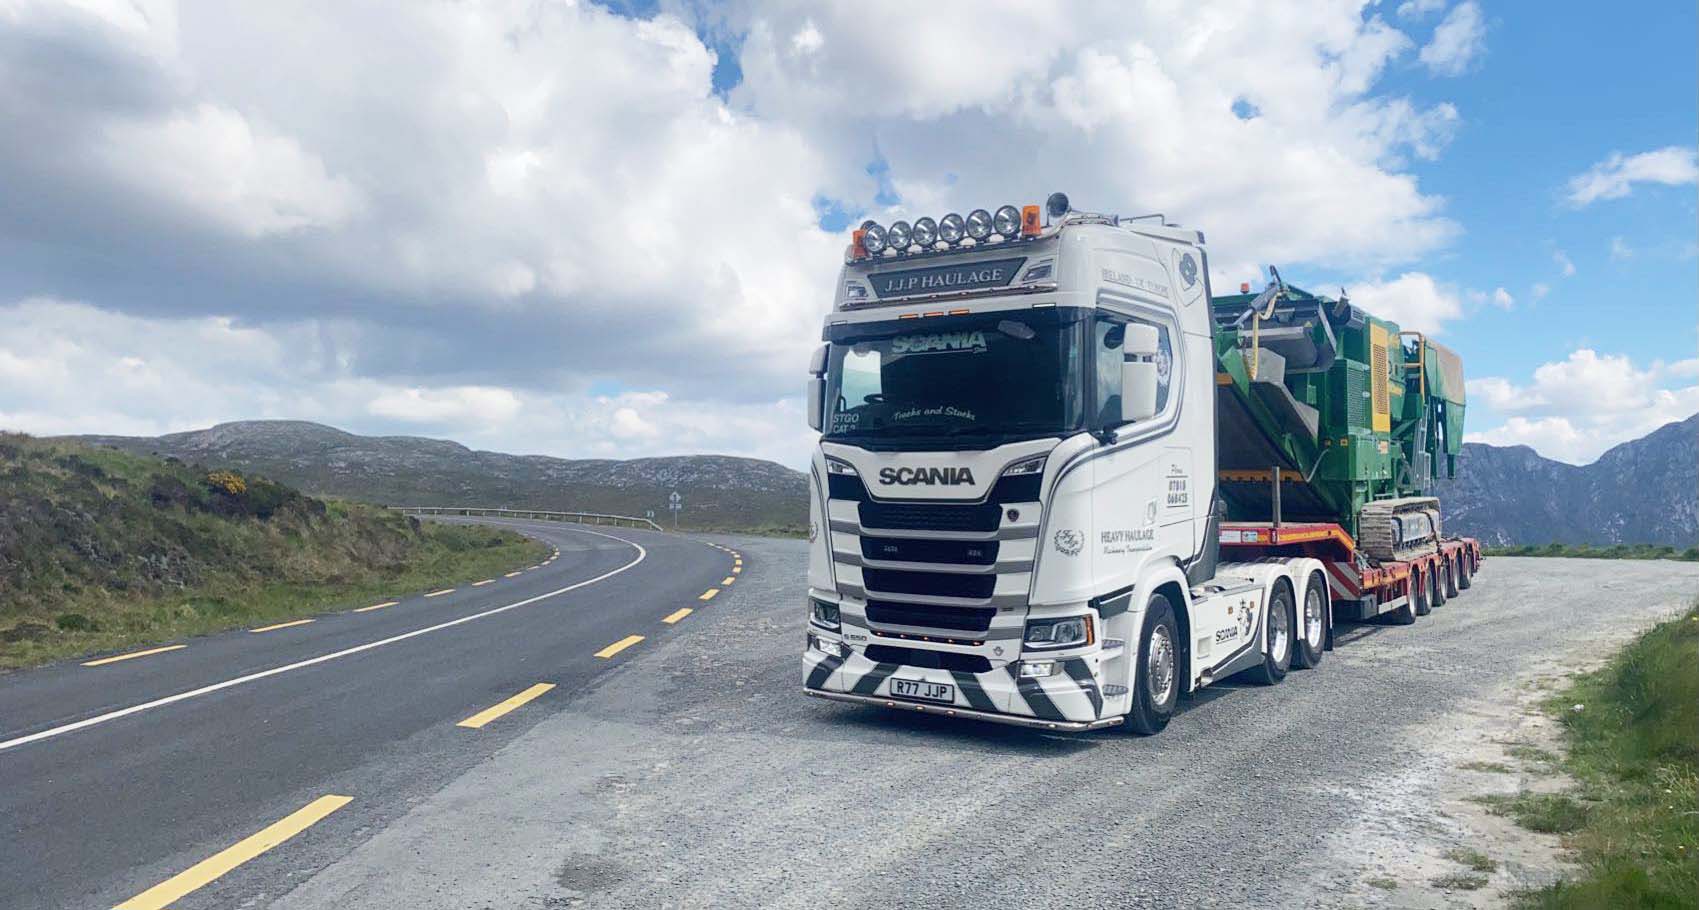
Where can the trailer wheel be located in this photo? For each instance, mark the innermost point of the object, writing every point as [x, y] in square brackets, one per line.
[1312, 627]
[1277, 638]
[1465, 571]
[1424, 599]
[1156, 675]
[1436, 589]
[1453, 569]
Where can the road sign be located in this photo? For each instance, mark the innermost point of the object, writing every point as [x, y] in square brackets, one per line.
[675, 503]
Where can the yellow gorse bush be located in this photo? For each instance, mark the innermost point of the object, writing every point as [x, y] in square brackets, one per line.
[228, 481]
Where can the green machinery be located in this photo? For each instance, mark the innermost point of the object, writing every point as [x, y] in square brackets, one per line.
[1328, 414]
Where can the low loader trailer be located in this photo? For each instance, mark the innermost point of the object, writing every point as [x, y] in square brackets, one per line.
[1061, 484]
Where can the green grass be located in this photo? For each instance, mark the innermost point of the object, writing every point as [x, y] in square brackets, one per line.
[1588, 551]
[1474, 860]
[103, 551]
[1461, 882]
[1383, 883]
[1633, 749]
[1488, 766]
[1547, 813]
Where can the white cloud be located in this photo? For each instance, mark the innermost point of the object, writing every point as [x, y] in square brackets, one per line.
[463, 216]
[1458, 40]
[1501, 298]
[1614, 177]
[1575, 409]
[1565, 265]
[461, 405]
[216, 163]
[1412, 9]
[1539, 290]
[1414, 300]
[1620, 250]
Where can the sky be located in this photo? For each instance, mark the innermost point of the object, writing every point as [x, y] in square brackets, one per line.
[612, 230]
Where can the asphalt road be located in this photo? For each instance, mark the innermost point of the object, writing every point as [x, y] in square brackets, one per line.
[357, 704]
[689, 771]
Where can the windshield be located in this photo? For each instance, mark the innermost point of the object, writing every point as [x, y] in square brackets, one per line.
[969, 381]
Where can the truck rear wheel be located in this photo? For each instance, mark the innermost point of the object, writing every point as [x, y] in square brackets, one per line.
[1423, 599]
[1156, 682]
[1312, 626]
[1277, 638]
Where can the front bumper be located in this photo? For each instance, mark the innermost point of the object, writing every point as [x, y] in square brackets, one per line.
[904, 704]
[1070, 699]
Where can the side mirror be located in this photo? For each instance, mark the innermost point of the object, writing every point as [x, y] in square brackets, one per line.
[816, 402]
[1138, 373]
[816, 392]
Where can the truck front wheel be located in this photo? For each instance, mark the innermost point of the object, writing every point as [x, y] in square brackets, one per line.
[1277, 638]
[1156, 688]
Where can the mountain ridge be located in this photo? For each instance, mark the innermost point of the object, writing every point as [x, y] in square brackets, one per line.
[1644, 491]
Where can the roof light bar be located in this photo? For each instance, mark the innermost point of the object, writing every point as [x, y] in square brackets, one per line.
[925, 235]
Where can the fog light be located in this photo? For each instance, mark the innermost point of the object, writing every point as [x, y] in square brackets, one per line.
[1034, 669]
[925, 232]
[979, 224]
[951, 228]
[1007, 221]
[826, 647]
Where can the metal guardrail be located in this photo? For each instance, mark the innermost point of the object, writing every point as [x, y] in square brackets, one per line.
[588, 518]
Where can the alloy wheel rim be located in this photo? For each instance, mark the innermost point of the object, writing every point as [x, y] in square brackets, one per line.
[1159, 666]
[1277, 630]
[1312, 618]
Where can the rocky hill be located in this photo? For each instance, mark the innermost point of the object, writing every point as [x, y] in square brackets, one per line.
[719, 492]
[1641, 492]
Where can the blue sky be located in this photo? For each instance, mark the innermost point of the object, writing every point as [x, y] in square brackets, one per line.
[612, 229]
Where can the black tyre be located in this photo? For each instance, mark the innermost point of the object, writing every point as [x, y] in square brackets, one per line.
[1311, 626]
[1453, 568]
[1277, 638]
[1156, 676]
[1405, 615]
[1465, 570]
[1436, 583]
[1423, 600]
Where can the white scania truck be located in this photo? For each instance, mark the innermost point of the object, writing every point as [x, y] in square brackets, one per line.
[1014, 511]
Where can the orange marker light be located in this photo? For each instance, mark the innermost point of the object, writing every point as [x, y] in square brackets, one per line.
[858, 249]
[1030, 225]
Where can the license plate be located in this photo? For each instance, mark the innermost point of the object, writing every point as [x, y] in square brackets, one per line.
[931, 691]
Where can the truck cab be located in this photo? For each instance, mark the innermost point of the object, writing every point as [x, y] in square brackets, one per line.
[1013, 510]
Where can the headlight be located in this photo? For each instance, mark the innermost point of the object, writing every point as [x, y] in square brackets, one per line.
[979, 224]
[1074, 631]
[1034, 465]
[951, 228]
[925, 231]
[872, 238]
[1007, 221]
[834, 466]
[823, 614]
[899, 235]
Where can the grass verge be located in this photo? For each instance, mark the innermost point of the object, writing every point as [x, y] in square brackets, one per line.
[1633, 820]
[1588, 551]
[105, 551]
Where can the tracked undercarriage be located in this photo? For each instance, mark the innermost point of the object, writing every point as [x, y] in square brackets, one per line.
[1399, 528]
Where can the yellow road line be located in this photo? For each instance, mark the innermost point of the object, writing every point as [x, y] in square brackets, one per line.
[709, 594]
[440, 593]
[512, 574]
[619, 646]
[387, 603]
[281, 625]
[487, 581]
[728, 579]
[491, 713]
[678, 615]
[210, 869]
[114, 659]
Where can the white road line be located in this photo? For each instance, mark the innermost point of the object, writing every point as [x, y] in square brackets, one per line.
[323, 658]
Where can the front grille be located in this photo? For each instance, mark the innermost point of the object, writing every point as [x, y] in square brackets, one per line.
[934, 660]
[899, 549]
[930, 516]
[937, 584]
[956, 619]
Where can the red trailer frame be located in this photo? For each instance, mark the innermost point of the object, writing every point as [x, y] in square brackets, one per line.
[1359, 588]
